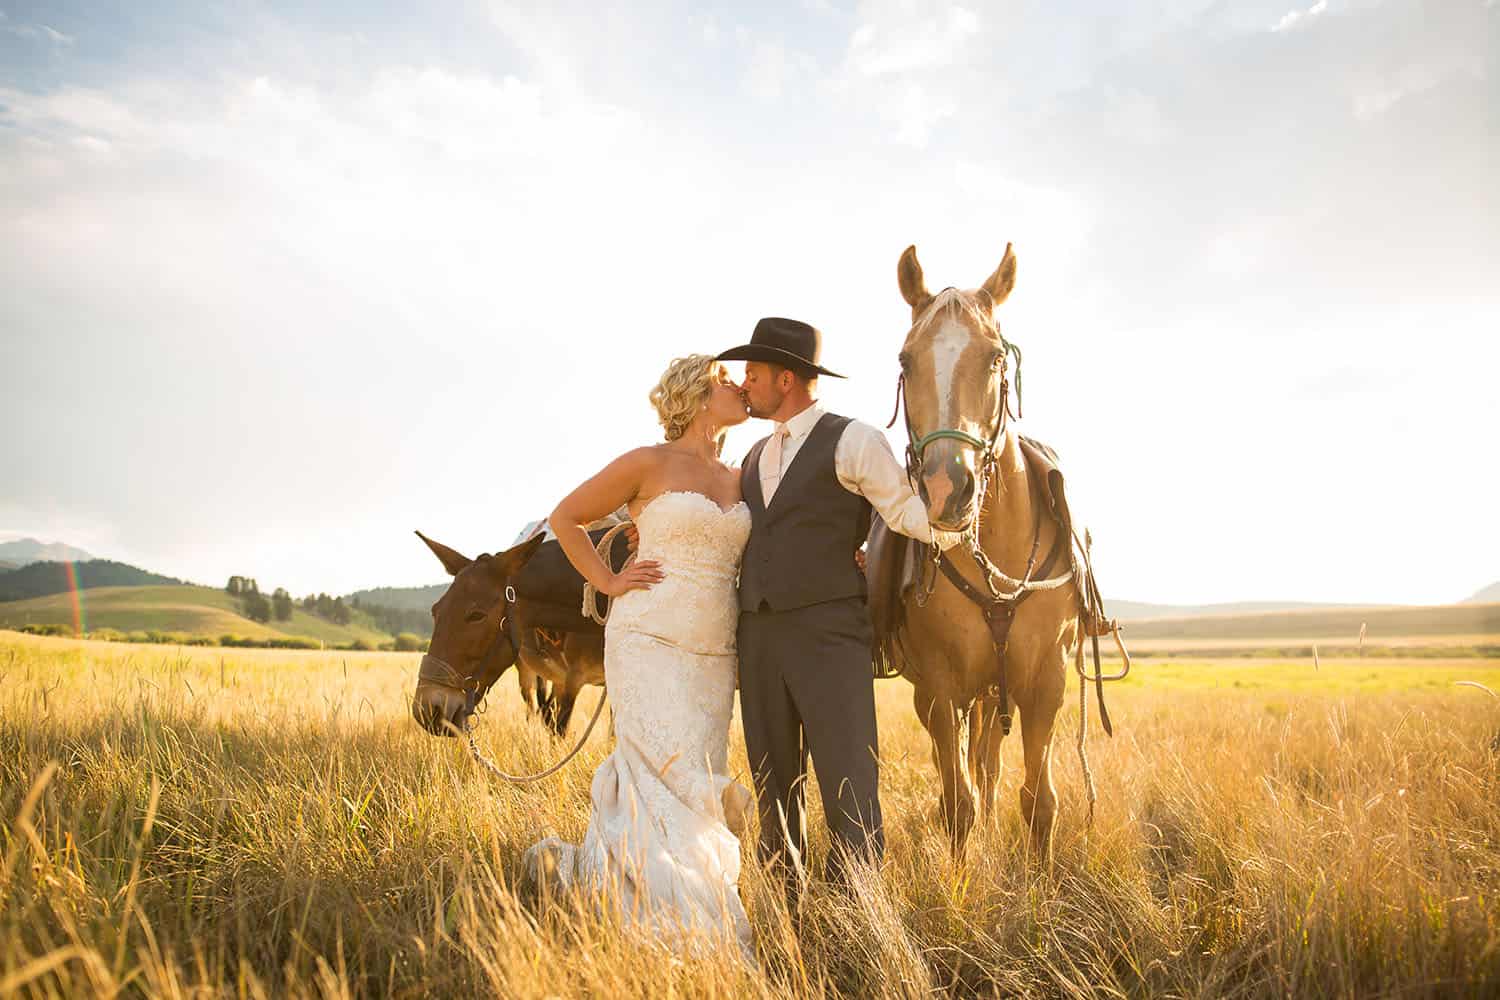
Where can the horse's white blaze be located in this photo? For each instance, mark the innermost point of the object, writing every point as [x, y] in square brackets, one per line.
[947, 348]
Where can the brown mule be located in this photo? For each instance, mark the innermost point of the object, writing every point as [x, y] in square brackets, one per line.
[482, 626]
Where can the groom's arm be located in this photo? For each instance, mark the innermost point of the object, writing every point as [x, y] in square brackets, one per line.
[866, 465]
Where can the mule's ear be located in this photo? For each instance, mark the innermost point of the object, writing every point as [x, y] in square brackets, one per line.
[452, 561]
[909, 277]
[512, 559]
[999, 284]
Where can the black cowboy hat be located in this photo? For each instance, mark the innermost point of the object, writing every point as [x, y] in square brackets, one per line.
[787, 342]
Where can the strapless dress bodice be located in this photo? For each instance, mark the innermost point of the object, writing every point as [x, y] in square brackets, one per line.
[699, 545]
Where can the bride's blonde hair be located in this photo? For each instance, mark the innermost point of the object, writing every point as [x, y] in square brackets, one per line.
[683, 389]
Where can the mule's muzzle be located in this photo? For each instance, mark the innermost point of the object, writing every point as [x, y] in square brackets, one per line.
[439, 711]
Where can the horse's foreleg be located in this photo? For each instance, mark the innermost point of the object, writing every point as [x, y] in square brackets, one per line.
[1038, 795]
[984, 752]
[948, 728]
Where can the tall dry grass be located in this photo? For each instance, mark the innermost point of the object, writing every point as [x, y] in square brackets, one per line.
[267, 823]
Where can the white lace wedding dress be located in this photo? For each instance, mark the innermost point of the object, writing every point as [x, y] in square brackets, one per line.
[658, 844]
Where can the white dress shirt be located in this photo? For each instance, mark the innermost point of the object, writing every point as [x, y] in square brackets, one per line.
[865, 466]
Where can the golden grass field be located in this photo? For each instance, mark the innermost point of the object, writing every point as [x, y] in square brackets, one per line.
[266, 823]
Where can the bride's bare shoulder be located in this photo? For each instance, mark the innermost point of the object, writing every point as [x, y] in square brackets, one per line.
[644, 457]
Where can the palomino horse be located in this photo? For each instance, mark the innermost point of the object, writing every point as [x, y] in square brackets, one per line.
[516, 607]
[990, 624]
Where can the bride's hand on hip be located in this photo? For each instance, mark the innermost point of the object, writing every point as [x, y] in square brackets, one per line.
[636, 576]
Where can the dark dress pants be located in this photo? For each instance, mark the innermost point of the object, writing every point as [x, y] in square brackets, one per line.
[806, 687]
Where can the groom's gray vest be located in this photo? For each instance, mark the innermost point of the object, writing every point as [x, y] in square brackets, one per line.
[801, 550]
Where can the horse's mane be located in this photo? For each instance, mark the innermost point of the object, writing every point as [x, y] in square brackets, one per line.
[955, 304]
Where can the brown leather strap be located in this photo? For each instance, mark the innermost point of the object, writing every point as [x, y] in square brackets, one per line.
[999, 615]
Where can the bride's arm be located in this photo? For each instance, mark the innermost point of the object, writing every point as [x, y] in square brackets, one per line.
[616, 484]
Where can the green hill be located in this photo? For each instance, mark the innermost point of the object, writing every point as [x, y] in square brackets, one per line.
[39, 579]
[189, 609]
[400, 598]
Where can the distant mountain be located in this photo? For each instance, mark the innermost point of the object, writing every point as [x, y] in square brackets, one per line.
[399, 598]
[28, 550]
[1136, 610]
[42, 578]
[6, 567]
[1486, 595]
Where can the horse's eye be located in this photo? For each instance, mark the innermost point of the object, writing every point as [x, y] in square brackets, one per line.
[904, 360]
[474, 617]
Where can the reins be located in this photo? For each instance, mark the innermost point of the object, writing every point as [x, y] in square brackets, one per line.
[441, 673]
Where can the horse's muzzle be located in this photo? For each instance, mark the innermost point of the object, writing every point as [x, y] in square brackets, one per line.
[947, 488]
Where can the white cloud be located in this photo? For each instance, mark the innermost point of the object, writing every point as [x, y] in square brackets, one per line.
[916, 112]
[1378, 97]
[39, 31]
[898, 38]
[1292, 18]
[771, 70]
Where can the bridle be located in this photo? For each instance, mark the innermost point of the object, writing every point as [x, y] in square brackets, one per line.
[441, 673]
[988, 452]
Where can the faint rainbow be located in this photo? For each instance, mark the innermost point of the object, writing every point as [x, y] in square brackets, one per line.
[77, 594]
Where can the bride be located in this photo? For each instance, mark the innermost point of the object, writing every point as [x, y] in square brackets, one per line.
[659, 844]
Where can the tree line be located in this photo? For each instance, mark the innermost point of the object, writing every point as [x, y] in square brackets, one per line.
[257, 607]
[279, 606]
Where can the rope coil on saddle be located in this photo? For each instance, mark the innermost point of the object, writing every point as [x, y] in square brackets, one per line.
[590, 604]
[589, 610]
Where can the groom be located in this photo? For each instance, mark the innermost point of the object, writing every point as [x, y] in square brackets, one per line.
[806, 683]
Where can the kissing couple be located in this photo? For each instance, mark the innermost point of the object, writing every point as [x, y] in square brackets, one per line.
[747, 572]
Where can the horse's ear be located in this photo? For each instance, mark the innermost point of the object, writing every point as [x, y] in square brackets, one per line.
[452, 561]
[999, 284]
[909, 277]
[509, 562]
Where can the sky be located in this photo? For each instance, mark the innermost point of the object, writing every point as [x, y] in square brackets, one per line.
[280, 283]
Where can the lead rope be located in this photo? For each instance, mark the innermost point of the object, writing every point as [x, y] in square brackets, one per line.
[1083, 722]
[590, 609]
[523, 779]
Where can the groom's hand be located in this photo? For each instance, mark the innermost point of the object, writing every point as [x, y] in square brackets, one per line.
[632, 537]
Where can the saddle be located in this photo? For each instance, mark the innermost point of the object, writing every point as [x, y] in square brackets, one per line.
[895, 563]
[549, 590]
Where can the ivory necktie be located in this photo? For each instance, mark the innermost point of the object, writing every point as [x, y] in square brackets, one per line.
[770, 464]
